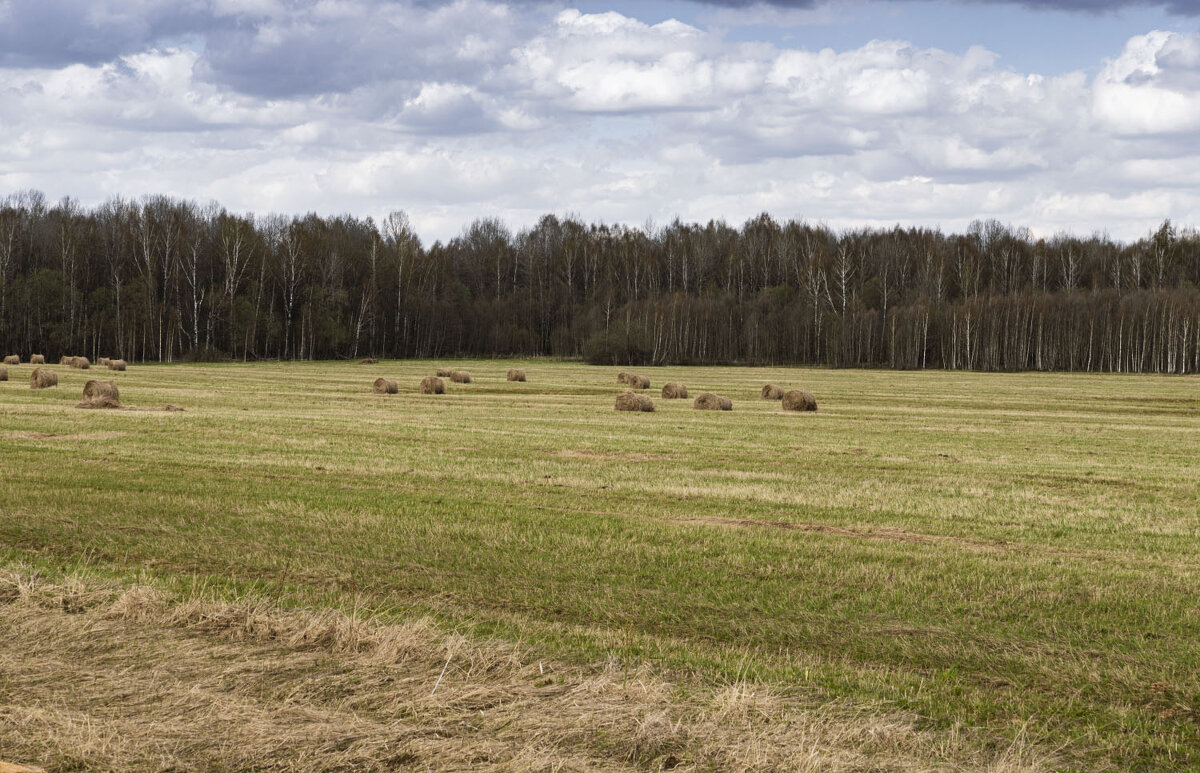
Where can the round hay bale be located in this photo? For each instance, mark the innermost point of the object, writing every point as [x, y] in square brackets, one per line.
[674, 391]
[65, 360]
[710, 402]
[42, 379]
[116, 364]
[3, 374]
[100, 394]
[94, 390]
[637, 382]
[631, 401]
[37, 359]
[432, 385]
[385, 386]
[772, 392]
[80, 362]
[799, 400]
[368, 361]
[460, 377]
[102, 362]
[445, 372]
[516, 374]
[623, 377]
[12, 359]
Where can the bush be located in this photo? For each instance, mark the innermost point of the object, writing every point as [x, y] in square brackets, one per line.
[206, 354]
[623, 345]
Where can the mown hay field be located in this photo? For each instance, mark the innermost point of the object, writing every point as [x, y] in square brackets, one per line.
[933, 570]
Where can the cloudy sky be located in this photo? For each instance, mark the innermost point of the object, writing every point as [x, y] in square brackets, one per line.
[1076, 115]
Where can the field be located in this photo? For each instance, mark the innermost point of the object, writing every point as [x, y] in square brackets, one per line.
[935, 570]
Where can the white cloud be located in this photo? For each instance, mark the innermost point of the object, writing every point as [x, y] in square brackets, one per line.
[1153, 87]
[472, 108]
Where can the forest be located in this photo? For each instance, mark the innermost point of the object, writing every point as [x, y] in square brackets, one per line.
[167, 279]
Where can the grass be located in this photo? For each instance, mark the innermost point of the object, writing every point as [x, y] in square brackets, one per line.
[1010, 560]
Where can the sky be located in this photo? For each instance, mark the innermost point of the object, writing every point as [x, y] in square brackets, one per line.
[1078, 116]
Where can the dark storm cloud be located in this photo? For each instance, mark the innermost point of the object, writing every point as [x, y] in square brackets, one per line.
[272, 49]
[303, 55]
[54, 33]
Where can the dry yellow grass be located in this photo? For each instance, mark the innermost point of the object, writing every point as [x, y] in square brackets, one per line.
[246, 685]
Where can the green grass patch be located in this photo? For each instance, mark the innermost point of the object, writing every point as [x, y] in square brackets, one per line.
[1012, 553]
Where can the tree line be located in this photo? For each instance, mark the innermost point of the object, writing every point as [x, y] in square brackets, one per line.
[165, 279]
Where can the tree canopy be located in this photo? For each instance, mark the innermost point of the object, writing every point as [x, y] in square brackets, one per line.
[164, 279]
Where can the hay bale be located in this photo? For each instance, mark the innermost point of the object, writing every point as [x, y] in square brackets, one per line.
[42, 379]
[12, 359]
[631, 401]
[772, 392]
[516, 374]
[100, 395]
[80, 362]
[673, 391]
[799, 400]
[3, 374]
[37, 359]
[65, 360]
[635, 381]
[102, 362]
[385, 386]
[445, 372]
[368, 361]
[710, 402]
[432, 385]
[116, 364]
[94, 390]
[460, 377]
